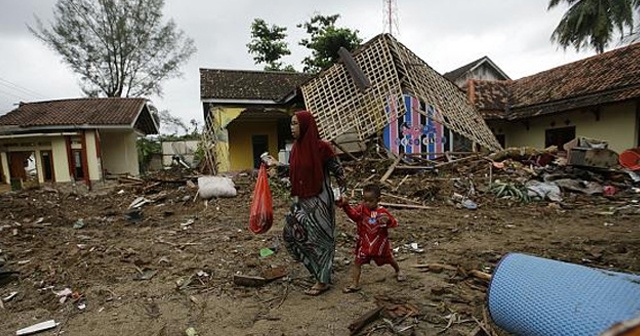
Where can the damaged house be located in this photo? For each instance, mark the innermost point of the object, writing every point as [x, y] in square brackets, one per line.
[249, 112]
[597, 97]
[73, 140]
[383, 89]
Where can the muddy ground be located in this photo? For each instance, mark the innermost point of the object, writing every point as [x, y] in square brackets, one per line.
[191, 267]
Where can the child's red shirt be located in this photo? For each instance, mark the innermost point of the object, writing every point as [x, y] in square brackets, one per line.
[373, 236]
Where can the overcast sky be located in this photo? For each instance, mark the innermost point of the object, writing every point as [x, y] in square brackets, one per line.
[446, 34]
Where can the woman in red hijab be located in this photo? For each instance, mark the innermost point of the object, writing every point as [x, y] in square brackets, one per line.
[310, 226]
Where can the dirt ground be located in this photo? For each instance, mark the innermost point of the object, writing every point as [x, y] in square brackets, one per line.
[192, 266]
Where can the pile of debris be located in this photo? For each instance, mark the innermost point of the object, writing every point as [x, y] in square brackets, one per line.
[516, 175]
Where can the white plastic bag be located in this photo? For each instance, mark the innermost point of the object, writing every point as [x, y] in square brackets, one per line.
[216, 186]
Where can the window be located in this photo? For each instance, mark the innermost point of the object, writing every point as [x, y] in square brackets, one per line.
[78, 171]
[559, 136]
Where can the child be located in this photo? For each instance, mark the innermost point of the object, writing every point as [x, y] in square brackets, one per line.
[372, 243]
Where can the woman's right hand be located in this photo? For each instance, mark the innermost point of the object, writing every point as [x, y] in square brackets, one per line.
[269, 160]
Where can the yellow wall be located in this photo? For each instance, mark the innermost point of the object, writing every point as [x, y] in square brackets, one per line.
[92, 156]
[618, 125]
[60, 160]
[58, 149]
[221, 118]
[119, 152]
[240, 147]
[4, 161]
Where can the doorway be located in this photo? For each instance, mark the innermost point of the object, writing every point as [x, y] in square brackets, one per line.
[18, 164]
[260, 144]
[47, 166]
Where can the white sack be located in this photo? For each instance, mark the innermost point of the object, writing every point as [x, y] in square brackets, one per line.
[216, 186]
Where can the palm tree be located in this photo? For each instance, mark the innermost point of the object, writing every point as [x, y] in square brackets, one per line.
[593, 23]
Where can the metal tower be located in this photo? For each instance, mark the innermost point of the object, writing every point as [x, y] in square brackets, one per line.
[390, 11]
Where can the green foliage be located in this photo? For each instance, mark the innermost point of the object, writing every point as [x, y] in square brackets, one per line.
[325, 41]
[268, 45]
[118, 47]
[147, 147]
[593, 23]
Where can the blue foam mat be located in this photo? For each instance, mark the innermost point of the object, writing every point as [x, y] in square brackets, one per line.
[535, 296]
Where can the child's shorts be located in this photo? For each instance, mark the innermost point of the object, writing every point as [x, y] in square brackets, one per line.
[379, 260]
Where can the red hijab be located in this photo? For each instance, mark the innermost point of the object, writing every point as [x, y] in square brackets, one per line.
[308, 156]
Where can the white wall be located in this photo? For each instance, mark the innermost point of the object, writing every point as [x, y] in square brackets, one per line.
[119, 152]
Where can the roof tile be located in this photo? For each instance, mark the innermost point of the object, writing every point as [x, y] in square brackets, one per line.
[604, 78]
[243, 84]
[82, 111]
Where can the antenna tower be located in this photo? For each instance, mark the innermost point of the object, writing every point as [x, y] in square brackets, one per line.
[390, 10]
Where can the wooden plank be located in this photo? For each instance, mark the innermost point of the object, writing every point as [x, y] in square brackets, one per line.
[401, 198]
[391, 169]
[365, 319]
[344, 150]
[249, 281]
[406, 206]
[401, 182]
[480, 275]
[415, 167]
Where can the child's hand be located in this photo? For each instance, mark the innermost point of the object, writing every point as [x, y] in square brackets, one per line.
[344, 200]
[383, 220]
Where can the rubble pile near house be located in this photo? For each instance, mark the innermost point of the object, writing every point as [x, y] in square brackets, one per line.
[514, 175]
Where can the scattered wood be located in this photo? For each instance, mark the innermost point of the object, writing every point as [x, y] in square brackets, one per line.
[436, 268]
[401, 182]
[344, 150]
[275, 273]
[258, 281]
[402, 198]
[406, 206]
[391, 169]
[480, 275]
[42, 326]
[363, 182]
[130, 180]
[249, 281]
[365, 319]
[452, 162]
[415, 167]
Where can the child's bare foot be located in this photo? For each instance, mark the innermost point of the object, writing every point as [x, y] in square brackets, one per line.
[400, 277]
[351, 289]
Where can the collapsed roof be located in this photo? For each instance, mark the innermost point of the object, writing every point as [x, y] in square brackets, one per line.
[392, 70]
